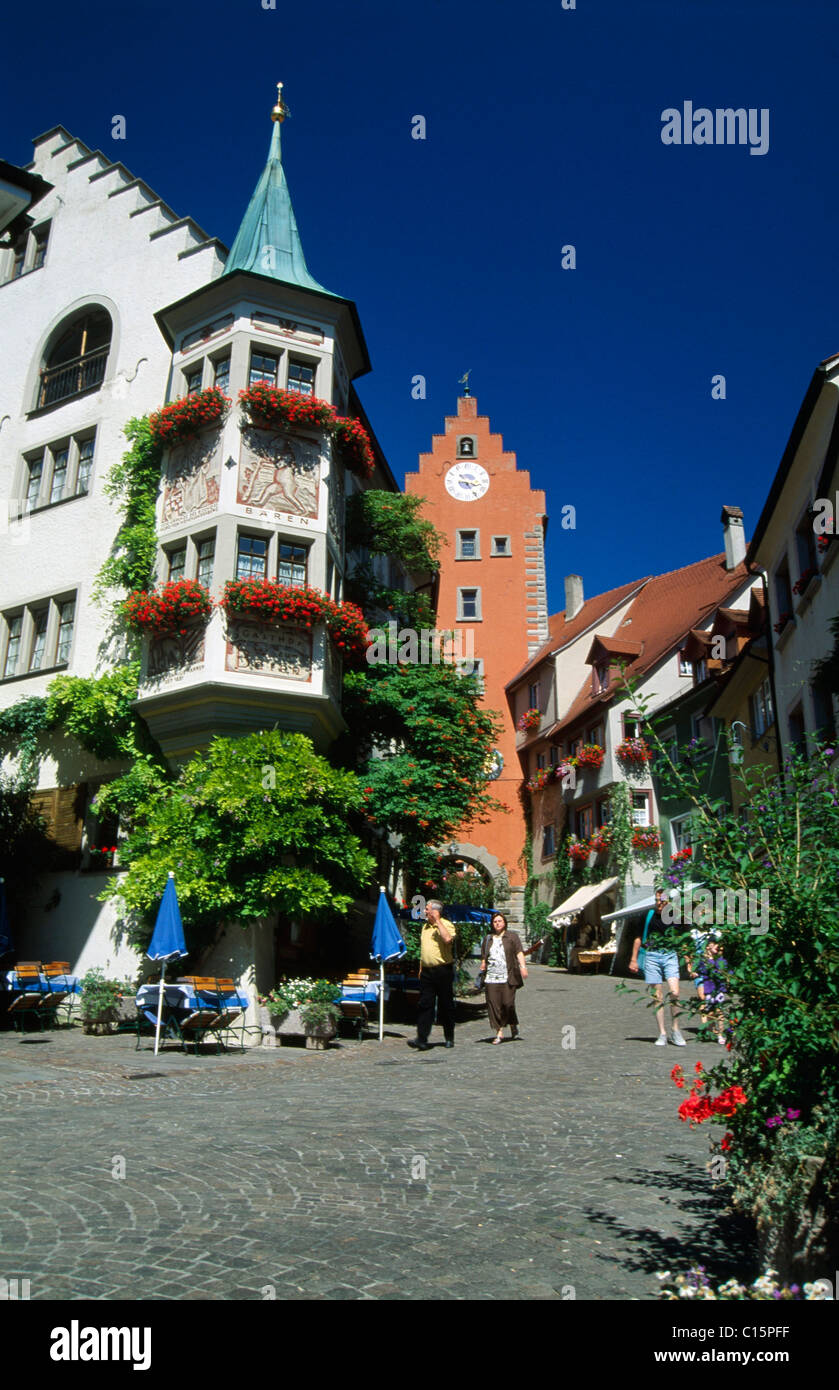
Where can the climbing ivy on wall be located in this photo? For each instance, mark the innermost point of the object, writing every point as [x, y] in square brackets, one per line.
[133, 484]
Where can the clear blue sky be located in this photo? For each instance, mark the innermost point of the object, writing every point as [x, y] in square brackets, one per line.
[543, 128]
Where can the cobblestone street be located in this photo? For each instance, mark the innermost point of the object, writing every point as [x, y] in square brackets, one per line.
[527, 1171]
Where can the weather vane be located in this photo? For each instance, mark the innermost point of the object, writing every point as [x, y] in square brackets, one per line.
[464, 382]
[280, 111]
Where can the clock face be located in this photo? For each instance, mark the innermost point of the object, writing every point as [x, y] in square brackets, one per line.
[467, 481]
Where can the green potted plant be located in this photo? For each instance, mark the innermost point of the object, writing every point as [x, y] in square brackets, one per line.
[100, 1001]
[320, 1023]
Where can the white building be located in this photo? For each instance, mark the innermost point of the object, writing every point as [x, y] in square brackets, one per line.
[796, 548]
[111, 305]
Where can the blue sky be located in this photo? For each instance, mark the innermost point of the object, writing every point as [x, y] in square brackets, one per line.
[543, 129]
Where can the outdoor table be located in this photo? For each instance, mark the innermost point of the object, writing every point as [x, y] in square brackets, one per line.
[49, 984]
[368, 995]
[183, 999]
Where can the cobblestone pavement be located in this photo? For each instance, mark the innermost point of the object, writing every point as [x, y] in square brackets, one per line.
[528, 1171]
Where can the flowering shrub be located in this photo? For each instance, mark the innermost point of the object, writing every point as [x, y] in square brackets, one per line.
[169, 609]
[266, 600]
[275, 407]
[295, 994]
[182, 419]
[696, 1285]
[700, 1105]
[531, 719]
[633, 750]
[646, 839]
[591, 755]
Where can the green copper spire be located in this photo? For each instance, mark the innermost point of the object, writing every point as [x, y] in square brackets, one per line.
[268, 242]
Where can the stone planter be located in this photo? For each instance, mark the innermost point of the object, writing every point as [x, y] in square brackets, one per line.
[99, 1025]
[320, 1039]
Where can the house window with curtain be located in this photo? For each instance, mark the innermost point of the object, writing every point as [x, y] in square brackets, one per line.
[58, 483]
[206, 557]
[264, 368]
[251, 557]
[40, 619]
[85, 465]
[15, 628]
[221, 373]
[193, 377]
[177, 563]
[35, 469]
[301, 378]
[292, 564]
[641, 808]
[66, 620]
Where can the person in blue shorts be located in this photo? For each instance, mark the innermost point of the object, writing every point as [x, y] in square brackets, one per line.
[661, 962]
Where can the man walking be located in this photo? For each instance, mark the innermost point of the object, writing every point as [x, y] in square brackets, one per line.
[436, 977]
[660, 939]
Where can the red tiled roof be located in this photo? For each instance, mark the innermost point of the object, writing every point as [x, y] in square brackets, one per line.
[615, 646]
[593, 611]
[662, 614]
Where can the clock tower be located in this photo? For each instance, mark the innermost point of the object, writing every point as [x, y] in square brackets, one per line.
[492, 590]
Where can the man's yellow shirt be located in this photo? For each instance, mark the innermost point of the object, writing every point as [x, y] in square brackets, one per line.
[433, 949]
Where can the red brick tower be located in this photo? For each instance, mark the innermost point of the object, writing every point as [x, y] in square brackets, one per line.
[492, 586]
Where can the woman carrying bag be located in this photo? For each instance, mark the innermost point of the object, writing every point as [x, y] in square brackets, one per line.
[502, 960]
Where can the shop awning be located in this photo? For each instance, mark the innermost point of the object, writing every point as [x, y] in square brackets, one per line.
[562, 915]
[641, 906]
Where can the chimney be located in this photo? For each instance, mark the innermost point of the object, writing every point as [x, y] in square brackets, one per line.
[573, 596]
[734, 536]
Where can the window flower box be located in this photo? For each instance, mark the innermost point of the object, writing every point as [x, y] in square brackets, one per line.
[267, 601]
[682, 855]
[579, 851]
[591, 755]
[783, 619]
[102, 856]
[804, 579]
[531, 719]
[170, 609]
[268, 405]
[186, 417]
[601, 840]
[646, 839]
[634, 751]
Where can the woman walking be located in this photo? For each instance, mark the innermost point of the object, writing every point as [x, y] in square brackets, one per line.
[502, 957]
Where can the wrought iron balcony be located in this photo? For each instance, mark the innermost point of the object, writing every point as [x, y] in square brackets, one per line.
[72, 378]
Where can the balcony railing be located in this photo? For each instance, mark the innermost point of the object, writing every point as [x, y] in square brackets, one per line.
[71, 378]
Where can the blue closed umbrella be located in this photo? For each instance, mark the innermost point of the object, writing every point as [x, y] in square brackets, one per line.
[6, 943]
[167, 941]
[387, 944]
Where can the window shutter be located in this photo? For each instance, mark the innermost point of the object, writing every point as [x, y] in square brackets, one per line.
[63, 810]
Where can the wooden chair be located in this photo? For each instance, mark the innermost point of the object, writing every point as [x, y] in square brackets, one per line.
[56, 999]
[355, 1013]
[31, 996]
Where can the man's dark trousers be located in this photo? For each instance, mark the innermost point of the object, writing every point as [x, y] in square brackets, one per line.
[436, 983]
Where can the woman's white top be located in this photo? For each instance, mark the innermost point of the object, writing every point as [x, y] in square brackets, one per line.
[497, 963]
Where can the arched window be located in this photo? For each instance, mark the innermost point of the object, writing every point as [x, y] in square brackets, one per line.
[77, 359]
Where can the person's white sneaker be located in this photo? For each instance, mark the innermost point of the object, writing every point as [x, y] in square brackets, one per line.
[661, 1040]
[677, 1039]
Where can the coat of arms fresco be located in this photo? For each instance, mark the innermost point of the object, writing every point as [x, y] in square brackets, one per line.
[191, 485]
[279, 472]
[269, 651]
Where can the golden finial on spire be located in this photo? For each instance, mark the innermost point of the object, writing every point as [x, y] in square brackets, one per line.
[280, 111]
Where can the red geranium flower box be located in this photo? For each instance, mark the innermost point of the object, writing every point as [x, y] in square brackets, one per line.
[184, 418]
[170, 609]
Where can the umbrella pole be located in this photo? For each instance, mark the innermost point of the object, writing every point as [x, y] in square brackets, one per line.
[381, 1000]
[159, 1010]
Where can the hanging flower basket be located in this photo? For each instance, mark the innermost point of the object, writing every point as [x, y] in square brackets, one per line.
[173, 608]
[634, 751]
[268, 405]
[267, 601]
[184, 418]
[531, 719]
[823, 542]
[646, 839]
[591, 755]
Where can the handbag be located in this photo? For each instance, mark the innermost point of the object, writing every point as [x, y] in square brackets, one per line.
[480, 978]
[642, 954]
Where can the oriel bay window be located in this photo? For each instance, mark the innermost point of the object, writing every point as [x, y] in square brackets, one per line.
[221, 373]
[301, 377]
[177, 563]
[206, 549]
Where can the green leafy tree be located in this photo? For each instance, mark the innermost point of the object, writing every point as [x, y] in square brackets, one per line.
[422, 745]
[252, 826]
[388, 524]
